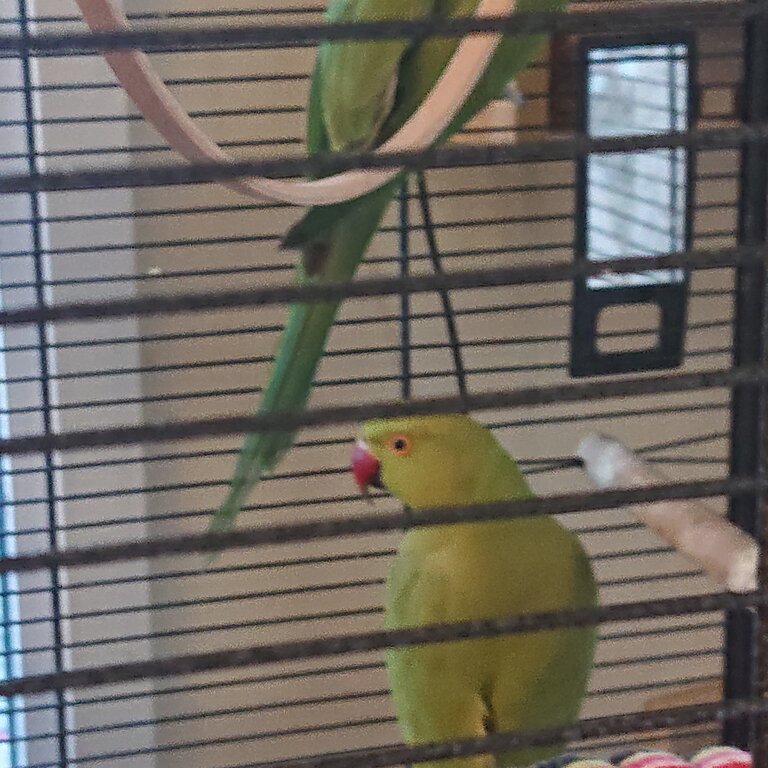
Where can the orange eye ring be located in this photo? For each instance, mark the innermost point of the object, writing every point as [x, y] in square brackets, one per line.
[400, 445]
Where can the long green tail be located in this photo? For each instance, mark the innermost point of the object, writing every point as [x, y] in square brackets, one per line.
[300, 349]
[335, 238]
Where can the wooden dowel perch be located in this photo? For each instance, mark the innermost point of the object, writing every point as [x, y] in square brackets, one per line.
[724, 552]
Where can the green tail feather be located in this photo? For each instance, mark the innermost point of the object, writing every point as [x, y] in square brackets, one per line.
[300, 349]
[343, 231]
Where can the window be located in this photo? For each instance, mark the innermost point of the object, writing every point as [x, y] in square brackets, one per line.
[13, 235]
[46, 617]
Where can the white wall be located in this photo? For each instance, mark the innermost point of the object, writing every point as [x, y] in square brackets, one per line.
[72, 367]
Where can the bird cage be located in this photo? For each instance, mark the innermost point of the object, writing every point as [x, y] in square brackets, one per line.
[585, 257]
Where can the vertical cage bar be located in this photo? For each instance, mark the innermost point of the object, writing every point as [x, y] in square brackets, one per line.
[45, 388]
[746, 449]
[445, 299]
[756, 99]
[405, 299]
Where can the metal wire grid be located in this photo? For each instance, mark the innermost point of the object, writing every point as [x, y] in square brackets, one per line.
[113, 244]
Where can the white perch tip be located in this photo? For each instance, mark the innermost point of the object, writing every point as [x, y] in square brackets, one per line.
[742, 575]
[603, 458]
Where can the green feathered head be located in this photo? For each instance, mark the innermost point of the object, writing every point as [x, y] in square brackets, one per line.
[435, 461]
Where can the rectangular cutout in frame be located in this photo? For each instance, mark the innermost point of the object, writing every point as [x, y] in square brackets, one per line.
[634, 203]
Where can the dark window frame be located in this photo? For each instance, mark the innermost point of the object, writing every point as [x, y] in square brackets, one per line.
[671, 298]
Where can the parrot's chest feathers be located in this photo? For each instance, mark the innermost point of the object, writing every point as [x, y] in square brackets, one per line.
[478, 570]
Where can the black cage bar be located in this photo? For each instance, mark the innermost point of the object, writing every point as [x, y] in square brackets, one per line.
[141, 303]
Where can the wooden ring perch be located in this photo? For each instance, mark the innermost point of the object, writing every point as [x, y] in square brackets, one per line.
[163, 111]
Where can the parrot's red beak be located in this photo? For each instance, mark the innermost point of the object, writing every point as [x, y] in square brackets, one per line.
[365, 468]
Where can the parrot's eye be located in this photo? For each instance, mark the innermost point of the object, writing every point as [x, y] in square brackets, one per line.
[400, 445]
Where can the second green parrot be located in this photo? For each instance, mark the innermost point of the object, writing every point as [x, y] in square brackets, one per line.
[361, 94]
[477, 570]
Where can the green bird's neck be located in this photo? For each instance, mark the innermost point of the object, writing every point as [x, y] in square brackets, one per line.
[503, 481]
[481, 535]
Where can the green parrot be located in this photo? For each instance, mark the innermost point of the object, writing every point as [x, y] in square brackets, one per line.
[361, 94]
[453, 573]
